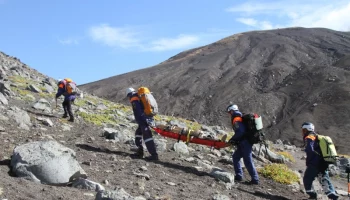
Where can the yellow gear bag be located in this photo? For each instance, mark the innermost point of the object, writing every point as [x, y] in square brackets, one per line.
[148, 101]
[329, 153]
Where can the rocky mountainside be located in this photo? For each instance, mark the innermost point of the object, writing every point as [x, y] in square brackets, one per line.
[287, 75]
[43, 156]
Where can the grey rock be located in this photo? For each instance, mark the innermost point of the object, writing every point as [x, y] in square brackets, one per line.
[45, 121]
[342, 192]
[3, 99]
[34, 88]
[5, 89]
[222, 175]
[66, 127]
[146, 176]
[42, 105]
[181, 148]
[49, 89]
[114, 134]
[30, 97]
[190, 159]
[82, 183]
[220, 197]
[101, 107]
[117, 194]
[160, 144]
[20, 116]
[46, 162]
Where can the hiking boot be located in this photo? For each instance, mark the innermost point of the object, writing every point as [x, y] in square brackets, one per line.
[152, 158]
[138, 154]
[71, 119]
[238, 178]
[65, 116]
[312, 196]
[333, 196]
[253, 182]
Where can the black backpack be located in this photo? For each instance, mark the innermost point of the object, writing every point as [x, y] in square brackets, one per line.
[253, 124]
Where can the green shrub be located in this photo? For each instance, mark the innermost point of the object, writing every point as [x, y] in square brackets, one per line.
[97, 119]
[279, 173]
[80, 102]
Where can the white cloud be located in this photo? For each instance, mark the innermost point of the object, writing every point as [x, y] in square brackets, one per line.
[113, 36]
[328, 14]
[179, 42]
[130, 38]
[68, 41]
[248, 21]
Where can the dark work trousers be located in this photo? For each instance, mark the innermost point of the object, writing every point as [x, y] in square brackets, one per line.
[310, 174]
[244, 149]
[144, 132]
[67, 107]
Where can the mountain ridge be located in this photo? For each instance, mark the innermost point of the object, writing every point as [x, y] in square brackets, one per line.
[280, 74]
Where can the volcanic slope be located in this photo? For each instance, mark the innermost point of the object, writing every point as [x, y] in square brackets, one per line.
[286, 75]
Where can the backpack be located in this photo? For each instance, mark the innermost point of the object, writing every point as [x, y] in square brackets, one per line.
[253, 124]
[329, 153]
[71, 87]
[148, 101]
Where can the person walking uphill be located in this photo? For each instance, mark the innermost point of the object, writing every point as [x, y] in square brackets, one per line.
[244, 148]
[143, 129]
[67, 88]
[315, 165]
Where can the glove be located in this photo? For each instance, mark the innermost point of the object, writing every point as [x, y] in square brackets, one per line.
[233, 142]
[150, 122]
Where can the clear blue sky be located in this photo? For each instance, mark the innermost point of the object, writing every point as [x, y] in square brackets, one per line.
[92, 40]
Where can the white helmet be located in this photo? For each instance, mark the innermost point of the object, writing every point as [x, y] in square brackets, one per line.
[232, 107]
[308, 126]
[129, 90]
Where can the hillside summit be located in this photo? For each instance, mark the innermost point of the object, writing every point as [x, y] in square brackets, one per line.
[286, 75]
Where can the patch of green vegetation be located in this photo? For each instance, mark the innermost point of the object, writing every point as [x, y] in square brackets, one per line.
[42, 88]
[93, 100]
[287, 155]
[97, 119]
[18, 79]
[46, 95]
[279, 173]
[80, 102]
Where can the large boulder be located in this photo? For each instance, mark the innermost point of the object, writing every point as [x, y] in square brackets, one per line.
[46, 162]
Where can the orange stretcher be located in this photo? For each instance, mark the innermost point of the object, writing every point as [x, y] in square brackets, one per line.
[188, 138]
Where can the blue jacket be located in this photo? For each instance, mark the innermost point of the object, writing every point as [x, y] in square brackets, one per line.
[137, 108]
[238, 126]
[313, 150]
[62, 91]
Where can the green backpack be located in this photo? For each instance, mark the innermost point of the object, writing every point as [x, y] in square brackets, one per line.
[329, 153]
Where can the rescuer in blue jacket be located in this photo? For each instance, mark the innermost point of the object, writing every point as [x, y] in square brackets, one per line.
[143, 130]
[244, 148]
[315, 165]
[68, 99]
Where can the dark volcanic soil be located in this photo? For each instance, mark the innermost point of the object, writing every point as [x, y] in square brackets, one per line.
[287, 75]
[112, 162]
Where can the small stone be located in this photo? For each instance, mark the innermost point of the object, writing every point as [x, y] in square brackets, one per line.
[143, 168]
[87, 163]
[106, 182]
[171, 183]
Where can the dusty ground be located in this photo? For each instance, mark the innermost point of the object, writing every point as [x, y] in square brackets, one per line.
[286, 75]
[108, 161]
